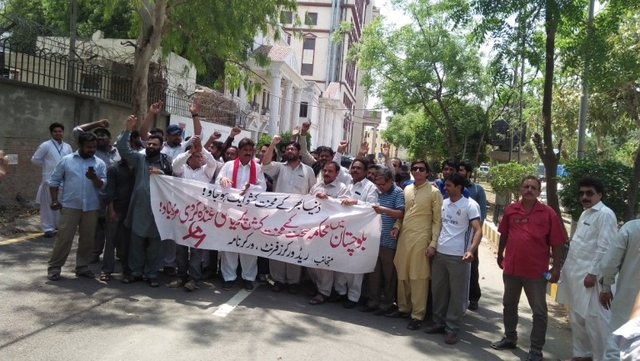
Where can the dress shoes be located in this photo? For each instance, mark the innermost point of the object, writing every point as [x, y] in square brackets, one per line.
[504, 344]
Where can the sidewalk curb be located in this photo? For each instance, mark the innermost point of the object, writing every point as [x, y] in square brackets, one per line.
[490, 232]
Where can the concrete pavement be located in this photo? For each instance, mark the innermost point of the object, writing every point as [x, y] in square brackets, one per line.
[80, 319]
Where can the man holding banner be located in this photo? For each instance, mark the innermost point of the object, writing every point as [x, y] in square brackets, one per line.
[361, 191]
[329, 187]
[243, 173]
[293, 177]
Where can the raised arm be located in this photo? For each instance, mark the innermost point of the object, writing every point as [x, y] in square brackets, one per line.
[274, 141]
[227, 143]
[212, 138]
[304, 153]
[154, 109]
[87, 127]
[193, 108]
[122, 144]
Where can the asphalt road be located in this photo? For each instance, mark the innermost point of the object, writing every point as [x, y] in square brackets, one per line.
[84, 319]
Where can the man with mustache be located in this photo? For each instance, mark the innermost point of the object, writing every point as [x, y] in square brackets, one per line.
[83, 175]
[360, 191]
[527, 231]
[242, 173]
[418, 229]
[579, 288]
[146, 249]
[110, 157]
[330, 186]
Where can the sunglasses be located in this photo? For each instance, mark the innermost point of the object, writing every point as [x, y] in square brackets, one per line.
[586, 193]
[418, 169]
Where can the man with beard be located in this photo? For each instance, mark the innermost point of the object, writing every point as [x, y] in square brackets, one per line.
[48, 155]
[83, 175]
[110, 156]
[528, 230]
[330, 186]
[417, 230]
[230, 154]
[293, 177]
[146, 250]
[325, 154]
[578, 286]
[104, 150]
[362, 192]
[171, 147]
[243, 173]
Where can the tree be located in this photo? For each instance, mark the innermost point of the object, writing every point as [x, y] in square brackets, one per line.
[200, 30]
[427, 66]
[497, 18]
[615, 176]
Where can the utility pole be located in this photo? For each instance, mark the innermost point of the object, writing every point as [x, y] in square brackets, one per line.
[582, 120]
[71, 69]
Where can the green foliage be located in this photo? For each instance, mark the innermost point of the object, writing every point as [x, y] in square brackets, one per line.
[615, 176]
[428, 66]
[506, 178]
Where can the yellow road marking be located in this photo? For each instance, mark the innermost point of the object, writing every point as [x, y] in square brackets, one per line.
[19, 239]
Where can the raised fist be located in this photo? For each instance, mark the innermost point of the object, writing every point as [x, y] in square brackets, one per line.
[156, 107]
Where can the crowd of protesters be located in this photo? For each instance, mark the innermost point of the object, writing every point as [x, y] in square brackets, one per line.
[427, 264]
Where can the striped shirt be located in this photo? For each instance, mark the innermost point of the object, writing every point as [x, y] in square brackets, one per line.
[393, 199]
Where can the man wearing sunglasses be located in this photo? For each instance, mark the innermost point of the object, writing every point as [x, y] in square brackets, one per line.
[417, 230]
[579, 288]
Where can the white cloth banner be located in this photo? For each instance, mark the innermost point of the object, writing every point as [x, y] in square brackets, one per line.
[300, 229]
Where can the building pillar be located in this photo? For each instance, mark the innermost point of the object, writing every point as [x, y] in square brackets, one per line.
[338, 125]
[274, 103]
[322, 130]
[295, 108]
[285, 124]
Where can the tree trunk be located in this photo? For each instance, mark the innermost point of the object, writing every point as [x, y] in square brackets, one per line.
[464, 148]
[632, 197]
[153, 19]
[544, 146]
[477, 160]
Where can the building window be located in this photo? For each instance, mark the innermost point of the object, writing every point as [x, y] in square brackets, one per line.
[286, 17]
[304, 108]
[91, 82]
[308, 54]
[307, 69]
[311, 19]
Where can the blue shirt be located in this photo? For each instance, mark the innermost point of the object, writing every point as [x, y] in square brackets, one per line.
[440, 185]
[393, 199]
[476, 192]
[78, 191]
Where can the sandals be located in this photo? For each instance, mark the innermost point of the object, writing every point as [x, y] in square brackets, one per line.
[153, 282]
[105, 276]
[130, 279]
[54, 276]
[318, 299]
